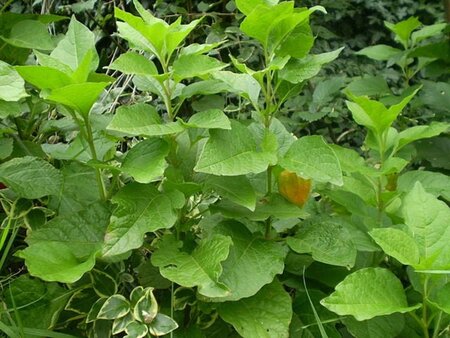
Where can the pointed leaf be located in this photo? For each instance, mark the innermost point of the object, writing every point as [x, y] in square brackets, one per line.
[328, 240]
[252, 263]
[74, 46]
[232, 153]
[80, 97]
[379, 52]
[140, 209]
[30, 34]
[65, 248]
[427, 221]
[311, 157]
[246, 6]
[368, 293]
[299, 70]
[242, 84]
[209, 119]
[12, 86]
[420, 132]
[189, 66]
[30, 177]
[135, 64]
[202, 268]
[237, 189]
[398, 244]
[142, 120]
[44, 77]
[264, 315]
[146, 161]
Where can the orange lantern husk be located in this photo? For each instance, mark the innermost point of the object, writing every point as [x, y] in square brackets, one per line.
[294, 188]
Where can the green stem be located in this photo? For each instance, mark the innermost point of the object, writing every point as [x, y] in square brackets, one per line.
[98, 171]
[437, 324]
[7, 3]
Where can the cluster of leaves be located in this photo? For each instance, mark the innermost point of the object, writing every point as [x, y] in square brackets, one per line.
[168, 196]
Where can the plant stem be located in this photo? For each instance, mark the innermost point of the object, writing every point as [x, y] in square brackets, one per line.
[437, 324]
[98, 171]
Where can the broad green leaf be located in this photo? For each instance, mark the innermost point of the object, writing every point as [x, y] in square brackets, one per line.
[351, 161]
[12, 86]
[270, 25]
[146, 161]
[427, 32]
[30, 34]
[39, 302]
[403, 29]
[65, 248]
[44, 77]
[427, 221]
[436, 95]
[434, 183]
[177, 33]
[368, 293]
[141, 120]
[140, 209]
[373, 114]
[9, 109]
[73, 47]
[51, 62]
[135, 64]
[232, 153]
[379, 52]
[379, 327]
[420, 132]
[189, 66]
[298, 43]
[242, 84]
[6, 147]
[284, 138]
[246, 6]
[80, 97]
[152, 34]
[264, 315]
[237, 189]
[31, 177]
[273, 205]
[327, 90]
[311, 157]
[162, 325]
[299, 70]
[398, 244]
[209, 119]
[195, 48]
[370, 86]
[252, 262]
[441, 298]
[78, 190]
[328, 240]
[83, 71]
[133, 30]
[207, 87]
[115, 306]
[201, 268]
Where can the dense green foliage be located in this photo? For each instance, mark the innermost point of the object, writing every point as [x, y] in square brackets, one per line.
[248, 168]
